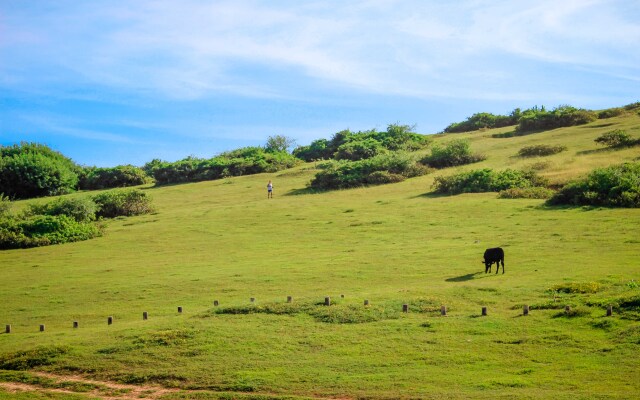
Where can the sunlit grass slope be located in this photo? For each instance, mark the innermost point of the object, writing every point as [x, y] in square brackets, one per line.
[392, 245]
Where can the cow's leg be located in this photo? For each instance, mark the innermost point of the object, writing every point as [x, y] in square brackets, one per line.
[499, 266]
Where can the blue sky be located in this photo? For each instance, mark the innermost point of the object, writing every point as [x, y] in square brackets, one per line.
[123, 82]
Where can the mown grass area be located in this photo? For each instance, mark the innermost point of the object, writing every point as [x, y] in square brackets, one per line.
[392, 245]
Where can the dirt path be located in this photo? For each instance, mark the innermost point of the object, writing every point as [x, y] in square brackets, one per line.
[102, 390]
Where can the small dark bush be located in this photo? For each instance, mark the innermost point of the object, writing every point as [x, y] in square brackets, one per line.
[487, 180]
[616, 138]
[80, 209]
[614, 186]
[123, 203]
[540, 150]
[457, 152]
[526, 193]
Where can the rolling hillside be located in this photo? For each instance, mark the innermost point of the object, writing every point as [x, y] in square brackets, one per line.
[392, 245]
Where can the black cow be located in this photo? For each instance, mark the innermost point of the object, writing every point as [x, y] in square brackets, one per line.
[495, 255]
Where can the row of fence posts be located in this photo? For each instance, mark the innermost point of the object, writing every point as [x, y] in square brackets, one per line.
[327, 302]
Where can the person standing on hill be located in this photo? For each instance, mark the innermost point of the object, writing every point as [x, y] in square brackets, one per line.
[269, 190]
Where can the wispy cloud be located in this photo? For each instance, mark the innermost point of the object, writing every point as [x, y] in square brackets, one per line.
[192, 49]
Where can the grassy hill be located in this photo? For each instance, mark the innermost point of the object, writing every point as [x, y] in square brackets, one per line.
[392, 245]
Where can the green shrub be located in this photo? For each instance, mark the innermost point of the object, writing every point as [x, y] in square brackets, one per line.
[484, 120]
[34, 170]
[107, 178]
[540, 119]
[127, 203]
[614, 186]
[369, 144]
[540, 150]
[244, 161]
[387, 168]
[610, 113]
[43, 230]
[359, 150]
[456, 152]
[486, 180]
[616, 138]
[526, 193]
[80, 209]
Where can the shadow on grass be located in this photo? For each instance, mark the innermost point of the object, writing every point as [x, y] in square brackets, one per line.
[598, 125]
[432, 195]
[511, 134]
[464, 278]
[303, 191]
[597, 151]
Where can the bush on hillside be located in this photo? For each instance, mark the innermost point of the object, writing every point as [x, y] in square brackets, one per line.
[616, 138]
[614, 186]
[244, 161]
[540, 119]
[484, 120]
[610, 113]
[126, 203]
[456, 152]
[487, 180]
[108, 178]
[388, 168]
[34, 170]
[360, 149]
[540, 150]
[396, 137]
[80, 209]
[43, 230]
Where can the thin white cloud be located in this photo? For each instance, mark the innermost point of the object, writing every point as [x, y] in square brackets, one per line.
[192, 49]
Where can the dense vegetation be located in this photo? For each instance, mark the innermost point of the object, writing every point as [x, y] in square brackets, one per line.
[484, 120]
[354, 146]
[456, 152]
[92, 178]
[487, 180]
[34, 170]
[387, 168]
[614, 186]
[535, 119]
[540, 119]
[244, 161]
[67, 219]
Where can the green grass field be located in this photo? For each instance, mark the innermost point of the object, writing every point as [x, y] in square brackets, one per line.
[392, 245]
